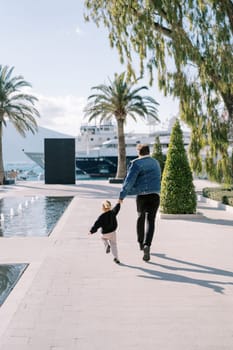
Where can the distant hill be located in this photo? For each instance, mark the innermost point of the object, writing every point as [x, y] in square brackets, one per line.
[14, 143]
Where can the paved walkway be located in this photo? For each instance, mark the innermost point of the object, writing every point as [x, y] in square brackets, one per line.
[74, 297]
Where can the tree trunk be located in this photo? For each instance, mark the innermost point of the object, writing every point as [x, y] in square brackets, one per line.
[121, 163]
[1, 159]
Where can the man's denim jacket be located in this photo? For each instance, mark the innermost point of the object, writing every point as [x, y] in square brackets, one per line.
[143, 177]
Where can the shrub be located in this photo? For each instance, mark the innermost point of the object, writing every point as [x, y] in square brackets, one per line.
[158, 154]
[177, 190]
[230, 201]
[220, 194]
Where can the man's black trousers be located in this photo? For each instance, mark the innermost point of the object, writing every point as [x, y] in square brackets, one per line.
[147, 206]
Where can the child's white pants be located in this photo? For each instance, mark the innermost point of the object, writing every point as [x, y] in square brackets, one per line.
[110, 239]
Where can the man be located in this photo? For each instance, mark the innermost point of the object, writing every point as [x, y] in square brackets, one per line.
[143, 179]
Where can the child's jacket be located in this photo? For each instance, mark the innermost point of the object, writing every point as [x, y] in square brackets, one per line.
[107, 221]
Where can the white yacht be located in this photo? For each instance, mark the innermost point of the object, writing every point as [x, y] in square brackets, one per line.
[96, 148]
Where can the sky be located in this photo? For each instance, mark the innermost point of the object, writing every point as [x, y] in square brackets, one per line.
[49, 43]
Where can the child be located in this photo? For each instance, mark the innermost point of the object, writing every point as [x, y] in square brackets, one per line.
[108, 224]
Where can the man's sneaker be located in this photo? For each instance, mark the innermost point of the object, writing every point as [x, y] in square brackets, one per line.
[108, 249]
[146, 256]
[116, 261]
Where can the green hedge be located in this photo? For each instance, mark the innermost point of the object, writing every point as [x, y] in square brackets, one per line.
[220, 194]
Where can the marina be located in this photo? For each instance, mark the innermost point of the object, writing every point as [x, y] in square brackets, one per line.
[97, 148]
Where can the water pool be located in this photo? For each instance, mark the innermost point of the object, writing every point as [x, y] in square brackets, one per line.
[30, 215]
[9, 276]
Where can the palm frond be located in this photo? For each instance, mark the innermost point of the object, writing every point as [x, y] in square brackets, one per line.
[19, 107]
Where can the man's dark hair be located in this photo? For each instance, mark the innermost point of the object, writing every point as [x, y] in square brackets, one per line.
[143, 149]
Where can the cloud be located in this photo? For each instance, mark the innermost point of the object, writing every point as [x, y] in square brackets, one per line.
[65, 114]
[61, 113]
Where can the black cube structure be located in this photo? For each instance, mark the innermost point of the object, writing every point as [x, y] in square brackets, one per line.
[59, 161]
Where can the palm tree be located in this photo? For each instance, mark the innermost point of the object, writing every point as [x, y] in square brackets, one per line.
[15, 106]
[119, 100]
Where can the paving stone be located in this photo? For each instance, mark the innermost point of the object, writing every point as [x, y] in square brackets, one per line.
[75, 297]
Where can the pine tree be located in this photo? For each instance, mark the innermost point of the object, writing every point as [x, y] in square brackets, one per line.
[177, 190]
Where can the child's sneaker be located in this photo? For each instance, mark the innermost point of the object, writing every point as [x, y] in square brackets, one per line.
[116, 261]
[108, 249]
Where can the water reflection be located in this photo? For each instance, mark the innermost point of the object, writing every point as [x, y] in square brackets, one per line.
[9, 275]
[30, 216]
